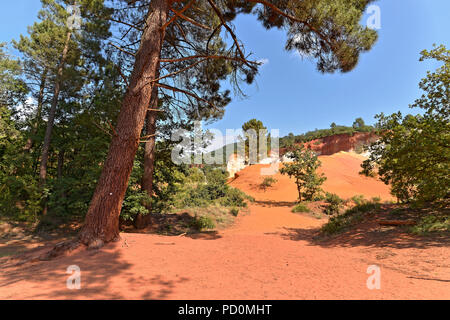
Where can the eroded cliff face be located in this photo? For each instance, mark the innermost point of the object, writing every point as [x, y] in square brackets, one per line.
[323, 147]
[342, 142]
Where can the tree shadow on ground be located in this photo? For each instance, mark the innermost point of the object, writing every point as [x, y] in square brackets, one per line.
[271, 203]
[368, 235]
[104, 275]
[174, 225]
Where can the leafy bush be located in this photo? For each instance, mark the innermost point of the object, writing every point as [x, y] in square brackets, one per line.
[335, 204]
[268, 182]
[358, 199]
[301, 207]
[234, 212]
[134, 204]
[432, 223]
[202, 223]
[211, 190]
[376, 199]
[351, 217]
[235, 198]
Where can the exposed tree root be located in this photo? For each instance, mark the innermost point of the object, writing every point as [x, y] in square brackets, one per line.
[60, 249]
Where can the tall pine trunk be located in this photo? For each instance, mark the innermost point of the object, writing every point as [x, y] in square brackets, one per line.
[102, 220]
[51, 116]
[30, 142]
[143, 221]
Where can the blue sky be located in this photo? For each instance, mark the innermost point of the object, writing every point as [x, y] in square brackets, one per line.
[291, 95]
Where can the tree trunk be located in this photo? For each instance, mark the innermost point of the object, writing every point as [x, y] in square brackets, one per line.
[102, 219]
[51, 116]
[299, 190]
[143, 221]
[30, 142]
[60, 164]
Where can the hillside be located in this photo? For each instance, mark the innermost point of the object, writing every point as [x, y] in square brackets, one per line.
[343, 178]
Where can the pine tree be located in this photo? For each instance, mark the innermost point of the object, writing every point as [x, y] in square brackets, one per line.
[327, 31]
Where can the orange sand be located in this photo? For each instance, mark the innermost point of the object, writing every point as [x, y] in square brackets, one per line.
[343, 178]
[268, 254]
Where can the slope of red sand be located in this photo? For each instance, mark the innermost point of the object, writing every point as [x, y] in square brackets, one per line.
[269, 253]
[343, 178]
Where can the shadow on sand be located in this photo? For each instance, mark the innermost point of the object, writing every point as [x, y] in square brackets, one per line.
[368, 236]
[104, 275]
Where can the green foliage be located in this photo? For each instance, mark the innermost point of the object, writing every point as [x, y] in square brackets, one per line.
[358, 199]
[301, 207]
[202, 223]
[13, 89]
[253, 131]
[92, 89]
[352, 216]
[335, 204]
[207, 188]
[268, 182]
[413, 154]
[303, 170]
[234, 211]
[289, 141]
[432, 223]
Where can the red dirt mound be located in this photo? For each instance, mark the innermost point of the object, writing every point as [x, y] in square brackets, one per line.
[343, 178]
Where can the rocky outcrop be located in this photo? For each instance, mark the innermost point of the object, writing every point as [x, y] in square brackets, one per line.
[325, 146]
[342, 142]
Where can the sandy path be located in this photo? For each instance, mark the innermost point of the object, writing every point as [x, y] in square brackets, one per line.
[268, 254]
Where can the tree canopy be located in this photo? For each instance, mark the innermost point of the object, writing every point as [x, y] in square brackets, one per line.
[413, 153]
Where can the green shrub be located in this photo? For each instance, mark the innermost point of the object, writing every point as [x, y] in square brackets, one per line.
[234, 212]
[376, 199]
[335, 204]
[351, 217]
[234, 198]
[432, 223]
[202, 223]
[267, 183]
[318, 197]
[358, 199]
[135, 203]
[301, 207]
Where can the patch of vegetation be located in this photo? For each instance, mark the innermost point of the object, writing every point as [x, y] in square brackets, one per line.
[211, 189]
[348, 219]
[358, 126]
[432, 223]
[412, 155]
[234, 212]
[335, 204]
[301, 207]
[358, 199]
[304, 170]
[267, 183]
[202, 223]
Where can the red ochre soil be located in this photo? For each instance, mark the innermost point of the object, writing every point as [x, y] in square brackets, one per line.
[269, 253]
[343, 178]
[341, 142]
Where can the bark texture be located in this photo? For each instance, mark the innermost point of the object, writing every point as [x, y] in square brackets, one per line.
[102, 219]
